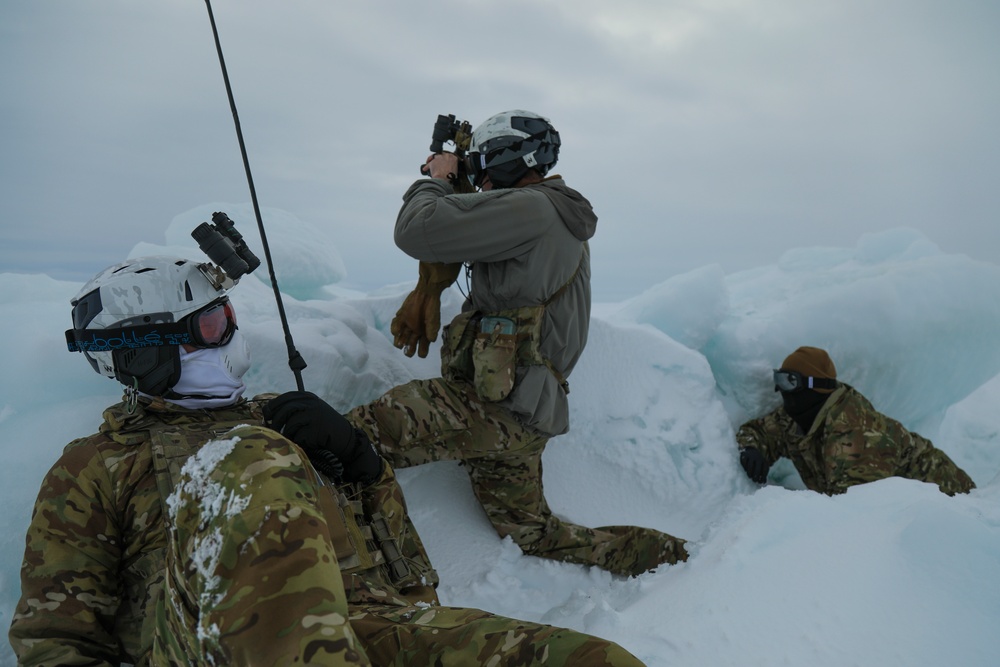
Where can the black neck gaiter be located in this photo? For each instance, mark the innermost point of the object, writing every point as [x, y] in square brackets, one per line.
[803, 406]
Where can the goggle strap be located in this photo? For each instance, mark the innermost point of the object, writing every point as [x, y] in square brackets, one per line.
[137, 337]
[808, 381]
[822, 383]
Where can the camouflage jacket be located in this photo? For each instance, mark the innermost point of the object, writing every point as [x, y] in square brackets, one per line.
[96, 546]
[850, 443]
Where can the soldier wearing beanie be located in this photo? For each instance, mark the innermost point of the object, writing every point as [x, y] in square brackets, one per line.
[834, 437]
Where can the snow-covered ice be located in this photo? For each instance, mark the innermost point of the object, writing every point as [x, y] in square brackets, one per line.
[891, 573]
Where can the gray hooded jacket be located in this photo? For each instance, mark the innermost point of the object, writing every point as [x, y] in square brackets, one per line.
[524, 244]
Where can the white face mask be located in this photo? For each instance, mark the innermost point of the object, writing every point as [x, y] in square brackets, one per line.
[212, 377]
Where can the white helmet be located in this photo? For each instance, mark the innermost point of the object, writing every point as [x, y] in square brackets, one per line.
[131, 319]
[507, 145]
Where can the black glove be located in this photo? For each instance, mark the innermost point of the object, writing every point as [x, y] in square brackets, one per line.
[334, 446]
[753, 462]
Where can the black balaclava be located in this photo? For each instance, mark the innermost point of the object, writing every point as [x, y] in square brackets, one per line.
[803, 406]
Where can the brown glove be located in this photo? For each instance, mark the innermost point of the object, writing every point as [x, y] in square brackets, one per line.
[417, 321]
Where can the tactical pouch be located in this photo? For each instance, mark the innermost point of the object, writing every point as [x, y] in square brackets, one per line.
[389, 546]
[330, 502]
[456, 346]
[487, 348]
[494, 357]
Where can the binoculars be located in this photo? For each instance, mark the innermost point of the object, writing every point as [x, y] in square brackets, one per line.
[448, 129]
[459, 132]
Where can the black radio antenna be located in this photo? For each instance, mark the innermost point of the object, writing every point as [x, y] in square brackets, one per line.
[295, 360]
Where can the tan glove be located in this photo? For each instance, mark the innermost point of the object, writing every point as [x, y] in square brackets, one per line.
[417, 321]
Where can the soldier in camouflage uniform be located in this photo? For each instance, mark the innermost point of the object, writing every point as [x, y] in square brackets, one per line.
[835, 438]
[506, 358]
[194, 528]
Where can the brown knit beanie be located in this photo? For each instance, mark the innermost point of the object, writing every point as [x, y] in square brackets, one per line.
[811, 362]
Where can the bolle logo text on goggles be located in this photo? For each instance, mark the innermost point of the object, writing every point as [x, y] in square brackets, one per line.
[212, 326]
[105, 340]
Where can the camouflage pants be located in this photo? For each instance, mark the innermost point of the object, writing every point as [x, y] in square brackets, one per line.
[454, 637]
[436, 420]
[252, 578]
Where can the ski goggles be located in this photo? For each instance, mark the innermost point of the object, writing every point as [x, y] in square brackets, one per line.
[211, 326]
[792, 381]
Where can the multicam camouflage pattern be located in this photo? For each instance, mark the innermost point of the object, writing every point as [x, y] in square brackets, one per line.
[198, 537]
[497, 355]
[98, 554]
[851, 443]
[455, 637]
[434, 420]
[251, 572]
[486, 349]
[494, 358]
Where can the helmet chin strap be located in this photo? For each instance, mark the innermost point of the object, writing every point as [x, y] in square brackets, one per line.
[132, 396]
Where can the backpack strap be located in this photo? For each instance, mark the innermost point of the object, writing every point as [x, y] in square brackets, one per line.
[562, 290]
[563, 382]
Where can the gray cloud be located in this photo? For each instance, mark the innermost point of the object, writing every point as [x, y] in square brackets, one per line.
[703, 132]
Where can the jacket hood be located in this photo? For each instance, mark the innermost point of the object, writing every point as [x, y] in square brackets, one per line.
[573, 208]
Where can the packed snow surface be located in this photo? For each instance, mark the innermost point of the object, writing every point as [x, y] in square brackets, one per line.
[891, 573]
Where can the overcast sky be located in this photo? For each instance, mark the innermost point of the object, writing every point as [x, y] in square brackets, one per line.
[726, 131]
